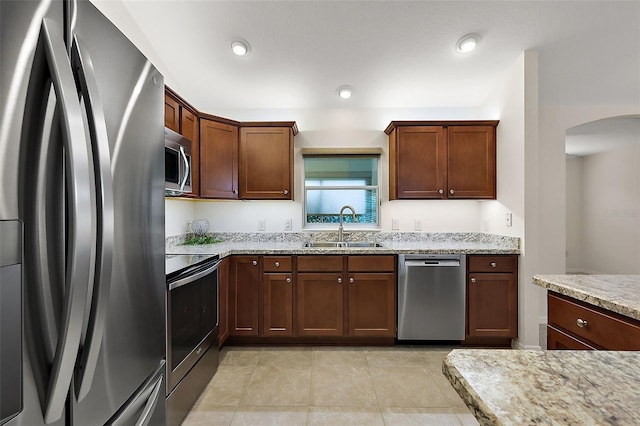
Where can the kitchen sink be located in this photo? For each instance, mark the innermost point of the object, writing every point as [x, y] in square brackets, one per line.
[341, 244]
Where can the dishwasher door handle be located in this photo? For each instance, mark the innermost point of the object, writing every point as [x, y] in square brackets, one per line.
[432, 262]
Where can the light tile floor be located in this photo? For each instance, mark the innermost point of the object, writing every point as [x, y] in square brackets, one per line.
[401, 385]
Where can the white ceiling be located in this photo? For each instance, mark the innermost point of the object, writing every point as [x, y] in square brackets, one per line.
[394, 54]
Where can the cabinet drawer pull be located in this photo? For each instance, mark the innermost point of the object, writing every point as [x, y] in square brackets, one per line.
[440, 191]
[254, 263]
[451, 191]
[581, 323]
[277, 264]
[339, 280]
[288, 279]
[286, 192]
[494, 264]
[473, 280]
[351, 280]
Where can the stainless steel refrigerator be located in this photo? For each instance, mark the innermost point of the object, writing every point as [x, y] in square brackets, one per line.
[82, 329]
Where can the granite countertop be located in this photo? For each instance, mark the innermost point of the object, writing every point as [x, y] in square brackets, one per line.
[392, 243]
[513, 387]
[617, 293]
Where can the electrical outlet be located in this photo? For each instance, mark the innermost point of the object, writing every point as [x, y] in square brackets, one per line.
[262, 224]
[287, 224]
[509, 219]
[395, 224]
[417, 225]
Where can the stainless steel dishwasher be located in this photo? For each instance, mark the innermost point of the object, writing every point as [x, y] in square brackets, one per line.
[431, 296]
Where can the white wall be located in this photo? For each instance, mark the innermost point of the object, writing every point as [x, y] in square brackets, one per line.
[551, 229]
[515, 103]
[574, 214]
[609, 212]
[178, 214]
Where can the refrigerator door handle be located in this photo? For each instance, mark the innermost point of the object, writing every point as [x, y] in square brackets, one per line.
[85, 75]
[149, 408]
[79, 226]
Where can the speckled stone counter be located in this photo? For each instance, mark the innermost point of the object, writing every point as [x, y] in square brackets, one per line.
[509, 387]
[392, 243]
[617, 293]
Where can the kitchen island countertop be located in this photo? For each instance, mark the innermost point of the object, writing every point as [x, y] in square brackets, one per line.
[514, 387]
[617, 293]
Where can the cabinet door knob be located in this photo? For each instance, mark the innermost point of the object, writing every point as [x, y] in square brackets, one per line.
[288, 279]
[351, 280]
[494, 264]
[277, 264]
[339, 280]
[581, 323]
[286, 192]
[254, 263]
[451, 191]
[235, 191]
[473, 280]
[440, 191]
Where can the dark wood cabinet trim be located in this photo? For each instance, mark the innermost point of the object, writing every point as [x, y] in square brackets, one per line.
[169, 91]
[394, 124]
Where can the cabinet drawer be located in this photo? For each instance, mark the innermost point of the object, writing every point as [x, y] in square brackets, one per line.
[372, 263]
[557, 340]
[319, 263]
[603, 328]
[493, 263]
[277, 264]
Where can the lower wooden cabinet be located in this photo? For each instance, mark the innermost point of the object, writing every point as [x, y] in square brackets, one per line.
[243, 295]
[492, 298]
[372, 304]
[573, 324]
[310, 297]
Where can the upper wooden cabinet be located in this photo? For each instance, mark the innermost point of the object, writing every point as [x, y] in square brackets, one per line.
[266, 163]
[181, 117]
[218, 159]
[442, 160]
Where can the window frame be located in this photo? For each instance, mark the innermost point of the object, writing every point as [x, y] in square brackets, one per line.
[332, 226]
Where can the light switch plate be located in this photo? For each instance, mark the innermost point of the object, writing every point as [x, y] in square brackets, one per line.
[509, 219]
[287, 224]
[395, 224]
[417, 225]
[262, 224]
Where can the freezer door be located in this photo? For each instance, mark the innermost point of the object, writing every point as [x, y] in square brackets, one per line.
[131, 93]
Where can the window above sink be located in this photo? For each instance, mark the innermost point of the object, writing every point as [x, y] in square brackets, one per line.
[334, 180]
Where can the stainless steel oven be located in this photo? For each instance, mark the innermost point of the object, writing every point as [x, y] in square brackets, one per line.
[192, 330]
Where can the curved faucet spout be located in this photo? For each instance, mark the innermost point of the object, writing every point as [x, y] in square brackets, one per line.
[340, 227]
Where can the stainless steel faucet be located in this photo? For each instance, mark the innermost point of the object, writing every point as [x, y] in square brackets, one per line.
[340, 227]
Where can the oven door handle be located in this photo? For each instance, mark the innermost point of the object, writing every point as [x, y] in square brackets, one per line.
[192, 278]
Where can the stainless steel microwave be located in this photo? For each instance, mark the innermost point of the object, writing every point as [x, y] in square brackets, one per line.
[177, 163]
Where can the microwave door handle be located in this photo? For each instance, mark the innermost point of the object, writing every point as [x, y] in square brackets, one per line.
[186, 168]
[51, 46]
[104, 214]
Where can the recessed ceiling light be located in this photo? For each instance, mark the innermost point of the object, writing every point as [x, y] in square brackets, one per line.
[241, 47]
[345, 92]
[467, 43]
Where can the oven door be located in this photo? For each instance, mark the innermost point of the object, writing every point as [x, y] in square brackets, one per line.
[192, 319]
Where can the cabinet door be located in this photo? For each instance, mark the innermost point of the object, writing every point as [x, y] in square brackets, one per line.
[243, 296]
[492, 305]
[372, 304]
[189, 128]
[471, 162]
[218, 160]
[420, 162]
[277, 292]
[320, 304]
[223, 285]
[266, 163]
[171, 113]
